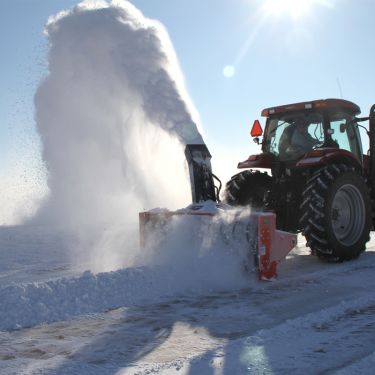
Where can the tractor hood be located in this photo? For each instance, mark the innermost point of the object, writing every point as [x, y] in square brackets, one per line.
[264, 160]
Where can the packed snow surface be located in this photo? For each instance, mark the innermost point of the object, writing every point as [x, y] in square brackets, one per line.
[55, 319]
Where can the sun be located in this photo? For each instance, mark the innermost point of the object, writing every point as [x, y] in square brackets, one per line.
[265, 12]
[293, 8]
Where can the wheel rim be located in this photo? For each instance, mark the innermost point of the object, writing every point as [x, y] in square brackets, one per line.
[348, 215]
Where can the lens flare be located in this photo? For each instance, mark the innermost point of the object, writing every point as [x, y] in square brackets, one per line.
[229, 71]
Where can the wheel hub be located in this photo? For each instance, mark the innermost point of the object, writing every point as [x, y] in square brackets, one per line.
[348, 214]
[335, 213]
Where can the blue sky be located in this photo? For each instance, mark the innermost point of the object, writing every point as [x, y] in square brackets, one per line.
[280, 56]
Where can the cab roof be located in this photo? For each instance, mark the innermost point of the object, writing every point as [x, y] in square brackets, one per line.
[314, 104]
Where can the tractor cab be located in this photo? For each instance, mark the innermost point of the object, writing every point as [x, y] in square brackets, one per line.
[293, 131]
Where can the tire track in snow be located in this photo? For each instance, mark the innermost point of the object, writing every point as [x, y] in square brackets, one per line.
[315, 343]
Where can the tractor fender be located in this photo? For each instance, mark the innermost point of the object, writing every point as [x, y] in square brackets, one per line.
[264, 160]
[323, 156]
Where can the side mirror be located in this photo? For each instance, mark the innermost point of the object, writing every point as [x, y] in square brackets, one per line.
[256, 130]
[343, 127]
[256, 140]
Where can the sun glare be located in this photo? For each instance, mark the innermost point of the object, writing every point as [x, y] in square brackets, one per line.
[265, 14]
[294, 8]
[229, 71]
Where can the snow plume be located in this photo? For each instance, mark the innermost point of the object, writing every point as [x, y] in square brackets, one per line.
[113, 117]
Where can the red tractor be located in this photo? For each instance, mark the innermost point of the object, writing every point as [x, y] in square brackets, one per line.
[319, 182]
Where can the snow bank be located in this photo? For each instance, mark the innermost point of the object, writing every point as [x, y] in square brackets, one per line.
[211, 259]
[26, 305]
[113, 115]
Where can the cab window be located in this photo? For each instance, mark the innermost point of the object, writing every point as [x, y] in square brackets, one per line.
[280, 138]
[345, 133]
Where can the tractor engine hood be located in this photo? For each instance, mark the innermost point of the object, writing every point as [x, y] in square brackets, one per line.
[264, 160]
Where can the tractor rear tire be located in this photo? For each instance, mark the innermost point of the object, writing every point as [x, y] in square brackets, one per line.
[336, 213]
[248, 189]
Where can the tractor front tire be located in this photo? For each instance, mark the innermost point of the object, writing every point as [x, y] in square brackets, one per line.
[336, 213]
[248, 189]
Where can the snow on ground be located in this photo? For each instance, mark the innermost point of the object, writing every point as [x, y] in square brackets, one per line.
[42, 282]
[316, 318]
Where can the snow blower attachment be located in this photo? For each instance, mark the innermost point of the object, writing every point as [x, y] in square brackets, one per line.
[209, 223]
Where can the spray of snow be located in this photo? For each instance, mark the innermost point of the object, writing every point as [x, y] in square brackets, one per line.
[113, 116]
[20, 195]
[215, 249]
[22, 185]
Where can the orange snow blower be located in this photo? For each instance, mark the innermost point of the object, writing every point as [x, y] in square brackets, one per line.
[252, 235]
